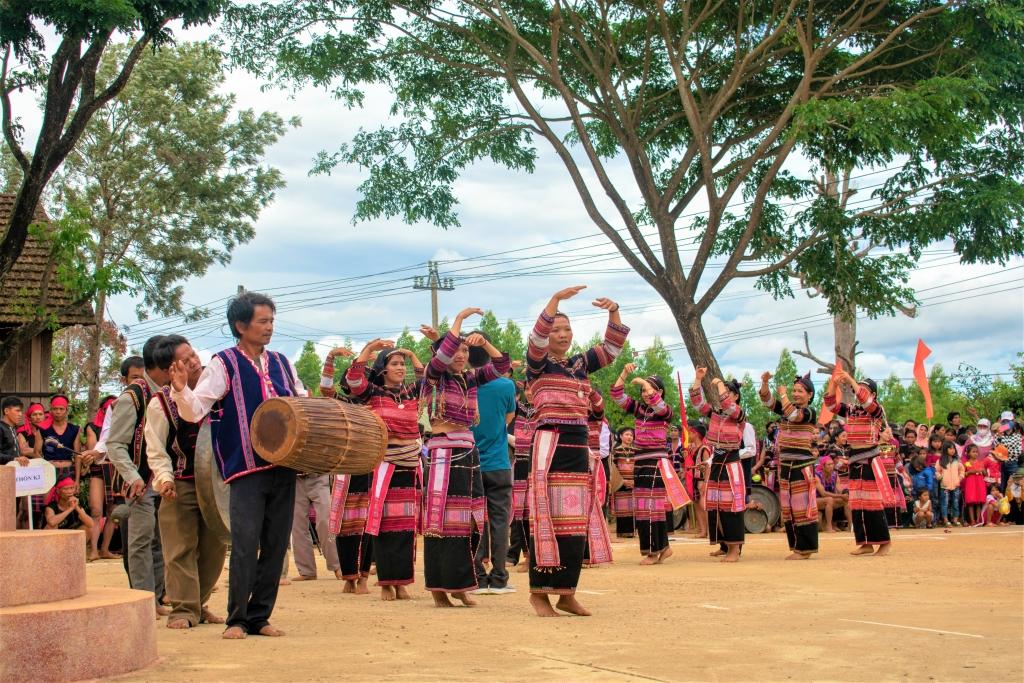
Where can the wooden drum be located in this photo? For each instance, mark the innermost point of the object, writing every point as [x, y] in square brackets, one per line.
[319, 435]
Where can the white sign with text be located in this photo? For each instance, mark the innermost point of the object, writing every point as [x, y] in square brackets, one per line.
[36, 478]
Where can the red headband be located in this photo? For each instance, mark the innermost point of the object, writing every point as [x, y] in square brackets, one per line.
[58, 402]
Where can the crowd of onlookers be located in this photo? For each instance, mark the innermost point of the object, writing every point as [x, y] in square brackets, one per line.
[952, 474]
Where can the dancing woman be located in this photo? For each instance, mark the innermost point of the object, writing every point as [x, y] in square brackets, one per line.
[797, 485]
[393, 510]
[725, 498]
[623, 505]
[870, 491]
[522, 447]
[563, 510]
[350, 497]
[657, 487]
[454, 498]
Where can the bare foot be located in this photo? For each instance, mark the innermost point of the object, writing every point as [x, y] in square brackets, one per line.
[830, 530]
[883, 550]
[541, 605]
[665, 554]
[464, 598]
[361, 588]
[797, 555]
[862, 550]
[568, 603]
[285, 581]
[233, 633]
[441, 599]
[350, 586]
[179, 624]
[387, 593]
[703, 535]
[107, 555]
[733, 555]
[338, 575]
[649, 560]
[209, 617]
[92, 557]
[522, 568]
[717, 553]
[162, 611]
[300, 577]
[271, 631]
[401, 593]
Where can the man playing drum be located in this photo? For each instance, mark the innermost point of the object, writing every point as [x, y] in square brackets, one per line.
[233, 385]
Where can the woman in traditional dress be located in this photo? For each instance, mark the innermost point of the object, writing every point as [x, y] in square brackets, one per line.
[725, 490]
[350, 499]
[657, 487]
[522, 436]
[623, 505]
[598, 465]
[870, 491]
[454, 498]
[564, 515]
[797, 486]
[393, 512]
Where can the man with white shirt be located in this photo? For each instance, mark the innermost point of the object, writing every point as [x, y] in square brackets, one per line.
[233, 385]
[748, 453]
[193, 551]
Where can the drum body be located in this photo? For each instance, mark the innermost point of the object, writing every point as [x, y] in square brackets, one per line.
[319, 435]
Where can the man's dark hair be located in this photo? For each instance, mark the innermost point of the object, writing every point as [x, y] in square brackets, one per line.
[243, 307]
[163, 352]
[11, 402]
[131, 362]
[952, 414]
[148, 360]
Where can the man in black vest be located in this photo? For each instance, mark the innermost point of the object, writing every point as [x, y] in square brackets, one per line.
[193, 552]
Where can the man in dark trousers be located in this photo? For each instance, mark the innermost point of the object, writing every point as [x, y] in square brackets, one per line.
[236, 381]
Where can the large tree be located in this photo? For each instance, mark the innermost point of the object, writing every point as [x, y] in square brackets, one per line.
[63, 72]
[170, 177]
[715, 104]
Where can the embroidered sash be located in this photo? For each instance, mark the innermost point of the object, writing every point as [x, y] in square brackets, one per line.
[441, 448]
[674, 488]
[597, 530]
[338, 496]
[378, 492]
[542, 529]
[882, 482]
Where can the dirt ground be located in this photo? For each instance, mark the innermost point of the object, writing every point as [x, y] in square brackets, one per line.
[943, 606]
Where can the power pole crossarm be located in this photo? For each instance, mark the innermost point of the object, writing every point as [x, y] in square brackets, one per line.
[434, 283]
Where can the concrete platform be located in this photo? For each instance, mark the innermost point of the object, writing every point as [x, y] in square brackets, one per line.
[41, 566]
[56, 641]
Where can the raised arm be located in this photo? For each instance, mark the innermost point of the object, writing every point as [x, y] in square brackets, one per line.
[615, 334]
[327, 374]
[764, 393]
[537, 341]
[700, 404]
[194, 404]
[618, 390]
[355, 376]
[499, 365]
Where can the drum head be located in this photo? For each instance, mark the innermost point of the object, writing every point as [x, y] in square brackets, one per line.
[755, 521]
[212, 492]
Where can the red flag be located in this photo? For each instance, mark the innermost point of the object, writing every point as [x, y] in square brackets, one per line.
[921, 377]
[826, 415]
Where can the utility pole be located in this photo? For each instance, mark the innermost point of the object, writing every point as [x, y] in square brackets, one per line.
[434, 283]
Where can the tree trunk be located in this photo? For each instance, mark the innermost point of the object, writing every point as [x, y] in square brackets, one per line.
[95, 353]
[22, 215]
[844, 330]
[697, 346]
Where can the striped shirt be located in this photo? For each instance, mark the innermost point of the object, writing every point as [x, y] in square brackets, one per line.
[452, 397]
[398, 408]
[560, 388]
[725, 425]
[652, 418]
[797, 430]
[864, 420]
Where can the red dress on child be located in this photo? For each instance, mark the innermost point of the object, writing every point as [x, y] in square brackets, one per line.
[974, 483]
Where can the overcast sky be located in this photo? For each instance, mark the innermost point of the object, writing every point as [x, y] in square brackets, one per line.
[972, 314]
